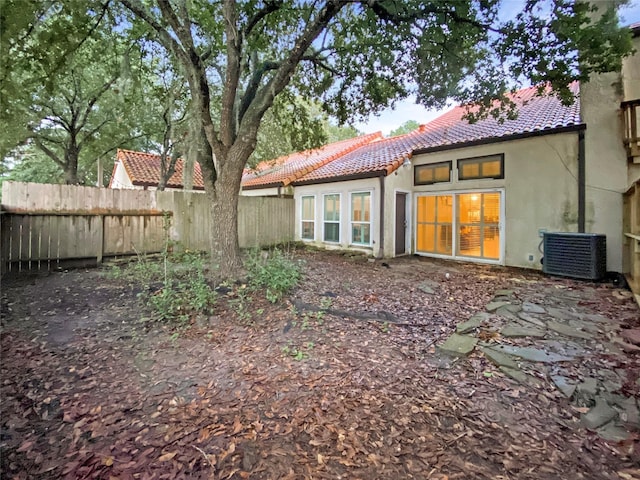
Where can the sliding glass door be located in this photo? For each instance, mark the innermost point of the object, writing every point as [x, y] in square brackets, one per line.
[460, 225]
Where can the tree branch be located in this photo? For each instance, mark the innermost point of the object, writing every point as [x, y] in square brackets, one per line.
[232, 76]
[253, 86]
[50, 153]
[269, 7]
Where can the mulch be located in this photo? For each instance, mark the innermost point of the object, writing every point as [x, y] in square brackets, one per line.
[92, 387]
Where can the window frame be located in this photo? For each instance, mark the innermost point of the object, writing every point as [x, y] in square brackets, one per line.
[304, 220]
[353, 222]
[325, 221]
[481, 160]
[432, 166]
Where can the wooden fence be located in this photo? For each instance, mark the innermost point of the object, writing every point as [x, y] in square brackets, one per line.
[631, 228]
[44, 226]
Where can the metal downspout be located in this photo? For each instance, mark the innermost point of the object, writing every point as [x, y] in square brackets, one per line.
[381, 242]
[581, 182]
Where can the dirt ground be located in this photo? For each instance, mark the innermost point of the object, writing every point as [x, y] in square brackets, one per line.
[92, 387]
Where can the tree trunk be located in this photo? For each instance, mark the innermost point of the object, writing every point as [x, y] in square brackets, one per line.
[71, 173]
[225, 247]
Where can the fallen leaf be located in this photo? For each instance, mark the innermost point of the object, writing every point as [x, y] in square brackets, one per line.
[167, 456]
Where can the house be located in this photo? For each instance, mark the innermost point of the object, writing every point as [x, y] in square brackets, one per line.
[140, 170]
[481, 192]
[485, 192]
[452, 189]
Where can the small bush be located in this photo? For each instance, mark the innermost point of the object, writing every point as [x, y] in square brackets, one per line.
[184, 291]
[274, 271]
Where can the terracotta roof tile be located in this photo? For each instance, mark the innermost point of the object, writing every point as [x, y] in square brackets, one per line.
[285, 170]
[382, 156]
[144, 170]
[535, 113]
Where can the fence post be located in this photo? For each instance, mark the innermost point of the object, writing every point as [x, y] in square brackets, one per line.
[100, 239]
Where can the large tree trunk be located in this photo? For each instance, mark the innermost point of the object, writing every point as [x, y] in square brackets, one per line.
[225, 247]
[71, 169]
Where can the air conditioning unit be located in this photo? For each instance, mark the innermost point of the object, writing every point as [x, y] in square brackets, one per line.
[575, 255]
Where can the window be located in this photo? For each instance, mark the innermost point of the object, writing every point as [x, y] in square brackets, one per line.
[432, 173]
[361, 218]
[332, 218]
[481, 167]
[308, 217]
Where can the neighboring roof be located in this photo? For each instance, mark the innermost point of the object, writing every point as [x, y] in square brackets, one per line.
[372, 160]
[144, 170]
[287, 169]
[635, 29]
[537, 115]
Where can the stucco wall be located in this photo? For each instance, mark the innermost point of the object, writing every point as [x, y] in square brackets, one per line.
[606, 162]
[345, 189]
[540, 189]
[260, 192]
[120, 178]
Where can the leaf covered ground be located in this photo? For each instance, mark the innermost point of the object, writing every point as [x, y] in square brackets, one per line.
[342, 379]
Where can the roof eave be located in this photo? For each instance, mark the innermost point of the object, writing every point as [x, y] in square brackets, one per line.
[263, 185]
[489, 140]
[342, 178]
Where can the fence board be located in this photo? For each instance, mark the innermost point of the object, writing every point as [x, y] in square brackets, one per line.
[42, 225]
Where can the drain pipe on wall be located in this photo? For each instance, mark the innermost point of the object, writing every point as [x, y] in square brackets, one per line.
[381, 242]
[581, 182]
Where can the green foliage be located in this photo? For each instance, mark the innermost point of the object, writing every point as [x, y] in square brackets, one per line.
[298, 353]
[241, 303]
[406, 127]
[174, 287]
[274, 271]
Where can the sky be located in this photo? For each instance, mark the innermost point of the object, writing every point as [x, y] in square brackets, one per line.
[392, 118]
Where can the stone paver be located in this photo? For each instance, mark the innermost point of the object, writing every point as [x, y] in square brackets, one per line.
[520, 376]
[613, 432]
[499, 359]
[474, 322]
[568, 331]
[531, 319]
[599, 415]
[563, 384]
[588, 388]
[520, 331]
[493, 306]
[533, 354]
[529, 307]
[459, 345]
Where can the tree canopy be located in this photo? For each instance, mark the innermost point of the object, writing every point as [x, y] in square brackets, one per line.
[406, 127]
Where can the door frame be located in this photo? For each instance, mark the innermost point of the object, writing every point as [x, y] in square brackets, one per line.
[454, 225]
[408, 201]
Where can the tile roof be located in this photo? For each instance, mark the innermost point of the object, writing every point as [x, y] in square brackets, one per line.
[144, 170]
[369, 160]
[285, 170]
[450, 130]
[535, 114]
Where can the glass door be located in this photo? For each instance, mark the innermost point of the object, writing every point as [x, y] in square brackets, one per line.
[478, 220]
[434, 224]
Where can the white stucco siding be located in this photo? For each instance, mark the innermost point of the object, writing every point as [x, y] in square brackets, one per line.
[607, 167]
[344, 189]
[540, 188]
[262, 192]
[121, 178]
